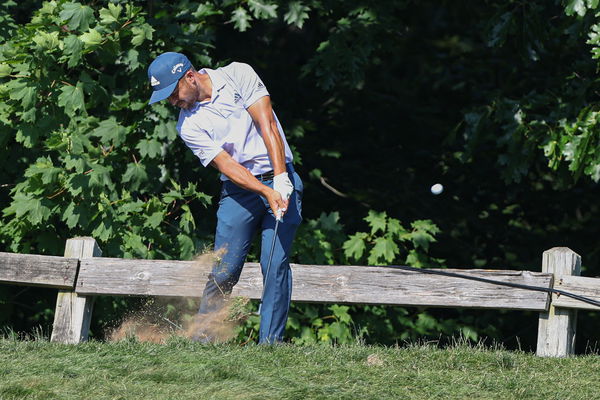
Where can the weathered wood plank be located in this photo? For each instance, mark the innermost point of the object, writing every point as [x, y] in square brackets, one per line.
[556, 327]
[73, 312]
[583, 286]
[36, 270]
[321, 284]
[380, 285]
[115, 276]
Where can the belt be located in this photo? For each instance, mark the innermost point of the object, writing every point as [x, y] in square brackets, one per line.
[267, 176]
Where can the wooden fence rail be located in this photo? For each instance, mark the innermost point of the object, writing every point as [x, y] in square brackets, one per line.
[82, 274]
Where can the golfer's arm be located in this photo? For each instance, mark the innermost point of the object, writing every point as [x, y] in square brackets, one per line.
[262, 115]
[238, 174]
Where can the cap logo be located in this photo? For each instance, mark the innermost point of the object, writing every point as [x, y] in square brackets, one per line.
[177, 68]
[154, 81]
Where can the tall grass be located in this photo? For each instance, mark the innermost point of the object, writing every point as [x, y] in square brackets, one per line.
[181, 369]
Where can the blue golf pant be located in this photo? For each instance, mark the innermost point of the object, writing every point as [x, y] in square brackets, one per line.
[241, 215]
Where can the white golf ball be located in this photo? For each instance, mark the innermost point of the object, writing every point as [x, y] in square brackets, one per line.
[437, 188]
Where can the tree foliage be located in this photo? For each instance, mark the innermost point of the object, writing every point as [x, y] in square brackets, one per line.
[94, 159]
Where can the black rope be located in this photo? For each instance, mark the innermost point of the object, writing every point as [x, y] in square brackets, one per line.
[500, 283]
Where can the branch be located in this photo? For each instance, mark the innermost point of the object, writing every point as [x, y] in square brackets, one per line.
[331, 188]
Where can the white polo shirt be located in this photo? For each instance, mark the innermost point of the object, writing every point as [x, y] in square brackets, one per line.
[222, 123]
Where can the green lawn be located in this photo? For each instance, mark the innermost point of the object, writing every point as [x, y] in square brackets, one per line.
[181, 369]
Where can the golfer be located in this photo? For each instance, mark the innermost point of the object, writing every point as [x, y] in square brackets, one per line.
[227, 121]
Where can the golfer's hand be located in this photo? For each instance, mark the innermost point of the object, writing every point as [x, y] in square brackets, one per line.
[277, 204]
[283, 185]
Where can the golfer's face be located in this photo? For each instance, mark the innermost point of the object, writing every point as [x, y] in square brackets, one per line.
[183, 96]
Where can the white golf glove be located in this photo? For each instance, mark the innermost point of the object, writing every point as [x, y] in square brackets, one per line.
[282, 184]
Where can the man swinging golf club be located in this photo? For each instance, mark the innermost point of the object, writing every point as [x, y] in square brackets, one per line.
[227, 121]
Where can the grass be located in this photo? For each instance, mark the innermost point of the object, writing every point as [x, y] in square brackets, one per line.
[182, 369]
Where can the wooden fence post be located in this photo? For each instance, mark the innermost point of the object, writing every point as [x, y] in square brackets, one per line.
[557, 327]
[73, 312]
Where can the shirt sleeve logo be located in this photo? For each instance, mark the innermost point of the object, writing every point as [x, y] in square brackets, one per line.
[260, 85]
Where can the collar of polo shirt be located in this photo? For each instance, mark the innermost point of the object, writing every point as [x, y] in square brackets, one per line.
[217, 81]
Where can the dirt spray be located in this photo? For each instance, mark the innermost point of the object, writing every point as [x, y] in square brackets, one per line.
[161, 318]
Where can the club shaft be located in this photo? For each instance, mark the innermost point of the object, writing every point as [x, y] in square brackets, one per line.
[266, 277]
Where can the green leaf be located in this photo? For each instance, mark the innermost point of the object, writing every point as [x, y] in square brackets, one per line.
[141, 33]
[425, 225]
[395, 228]
[355, 246]
[39, 213]
[187, 222]
[131, 207]
[136, 175]
[206, 10]
[385, 249]
[580, 7]
[425, 323]
[77, 183]
[78, 15]
[149, 148]
[45, 169]
[135, 242]
[100, 176]
[155, 219]
[76, 215]
[241, 19]
[186, 246]
[204, 198]
[422, 239]
[165, 130]
[33, 209]
[262, 10]
[330, 222]
[575, 6]
[297, 14]
[593, 170]
[71, 98]
[103, 230]
[110, 14]
[415, 259]
[132, 61]
[46, 41]
[341, 312]
[80, 143]
[171, 196]
[73, 162]
[48, 7]
[5, 70]
[23, 91]
[469, 333]
[110, 132]
[91, 38]
[73, 50]
[377, 221]
[28, 135]
[21, 204]
[70, 217]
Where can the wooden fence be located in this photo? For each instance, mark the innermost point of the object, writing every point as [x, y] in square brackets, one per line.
[82, 274]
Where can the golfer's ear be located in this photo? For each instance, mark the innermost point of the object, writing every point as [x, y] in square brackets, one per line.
[189, 75]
